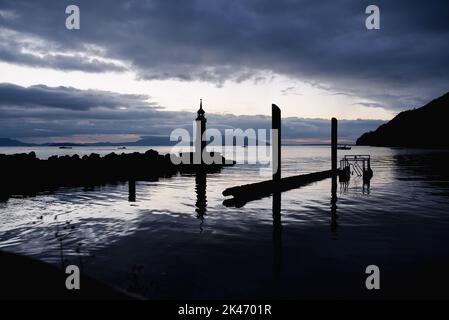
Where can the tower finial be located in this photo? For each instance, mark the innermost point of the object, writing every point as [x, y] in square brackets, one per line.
[201, 110]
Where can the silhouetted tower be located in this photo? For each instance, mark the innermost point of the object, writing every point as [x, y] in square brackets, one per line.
[200, 143]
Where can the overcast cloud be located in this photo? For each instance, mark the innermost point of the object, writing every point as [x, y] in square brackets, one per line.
[219, 40]
[325, 43]
[44, 113]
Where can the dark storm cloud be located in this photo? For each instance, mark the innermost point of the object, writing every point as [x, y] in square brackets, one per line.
[65, 98]
[24, 49]
[44, 112]
[403, 63]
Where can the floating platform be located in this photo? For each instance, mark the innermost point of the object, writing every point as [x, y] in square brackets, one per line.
[358, 164]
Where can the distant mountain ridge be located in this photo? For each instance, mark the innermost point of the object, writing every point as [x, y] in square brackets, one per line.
[6, 142]
[144, 141]
[425, 127]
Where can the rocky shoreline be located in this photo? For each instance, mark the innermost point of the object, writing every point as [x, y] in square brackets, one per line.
[26, 175]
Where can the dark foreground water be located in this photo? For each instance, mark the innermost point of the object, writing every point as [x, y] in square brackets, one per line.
[177, 240]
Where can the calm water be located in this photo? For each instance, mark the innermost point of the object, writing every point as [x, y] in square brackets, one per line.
[177, 240]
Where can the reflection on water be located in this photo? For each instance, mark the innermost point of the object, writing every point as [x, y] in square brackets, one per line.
[334, 198]
[132, 191]
[173, 238]
[277, 235]
[201, 198]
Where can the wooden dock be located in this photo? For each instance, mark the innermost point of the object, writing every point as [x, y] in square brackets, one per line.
[254, 191]
[249, 192]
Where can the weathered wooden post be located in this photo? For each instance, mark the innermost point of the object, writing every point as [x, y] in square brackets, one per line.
[334, 144]
[276, 163]
[245, 193]
[276, 143]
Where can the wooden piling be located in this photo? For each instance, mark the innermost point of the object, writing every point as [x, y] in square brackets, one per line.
[334, 144]
[245, 193]
[276, 143]
[253, 191]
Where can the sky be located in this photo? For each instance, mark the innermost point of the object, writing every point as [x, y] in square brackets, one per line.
[139, 68]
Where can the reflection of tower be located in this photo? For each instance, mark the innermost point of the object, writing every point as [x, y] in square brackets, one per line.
[201, 198]
[200, 142]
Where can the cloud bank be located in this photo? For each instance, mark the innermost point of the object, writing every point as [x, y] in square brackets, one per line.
[403, 64]
[44, 113]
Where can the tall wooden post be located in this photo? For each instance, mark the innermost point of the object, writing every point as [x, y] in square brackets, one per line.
[276, 163]
[276, 143]
[334, 142]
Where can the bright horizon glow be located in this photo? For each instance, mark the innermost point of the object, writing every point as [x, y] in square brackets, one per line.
[296, 98]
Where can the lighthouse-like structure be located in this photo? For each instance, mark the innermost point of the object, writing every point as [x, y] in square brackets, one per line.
[200, 142]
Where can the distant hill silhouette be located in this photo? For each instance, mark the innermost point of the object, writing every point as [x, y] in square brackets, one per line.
[152, 141]
[144, 141]
[426, 127]
[62, 144]
[5, 142]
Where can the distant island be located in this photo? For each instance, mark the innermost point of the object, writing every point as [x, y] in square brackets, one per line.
[425, 127]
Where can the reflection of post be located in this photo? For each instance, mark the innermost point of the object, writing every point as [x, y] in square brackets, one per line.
[334, 144]
[334, 216]
[277, 235]
[201, 198]
[366, 187]
[132, 190]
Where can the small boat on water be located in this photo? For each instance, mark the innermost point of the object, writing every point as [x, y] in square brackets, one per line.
[344, 147]
[121, 148]
[64, 147]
